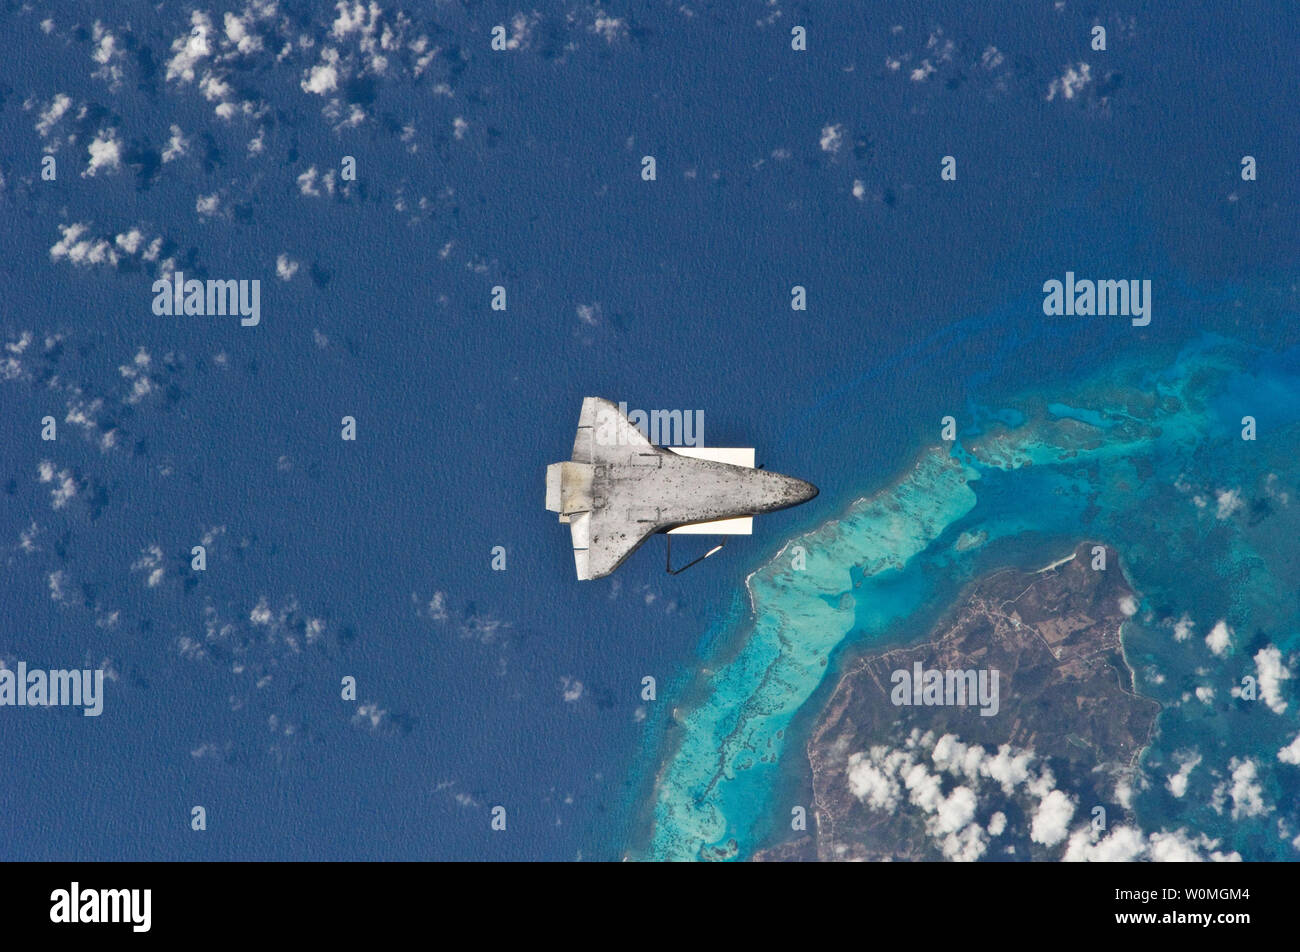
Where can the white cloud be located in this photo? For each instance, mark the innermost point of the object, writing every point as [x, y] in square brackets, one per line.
[1229, 503]
[438, 606]
[1247, 795]
[355, 19]
[571, 689]
[52, 113]
[991, 58]
[129, 241]
[1177, 783]
[371, 716]
[215, 89]
[207, 205]
[1071, 82]
[82, 251]
[965, 845]
[955, 811]
[832, 138]
[1125, 844]
[285, 267]
[521, 31]
[1290, 754]
[923, 787]
[1272, 672]
[611, 28]
[151, 561]
[872, 784]
[191, 49]
[1219, 640]
[58, 582]
[105, 153]
[238, 35]
[1051, 823]
[261, 613]
[921, 73]
[307, 182]
[1009, 767]
[324, 77]
[108, 55]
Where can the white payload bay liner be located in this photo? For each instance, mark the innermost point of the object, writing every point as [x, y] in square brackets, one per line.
[736, 456]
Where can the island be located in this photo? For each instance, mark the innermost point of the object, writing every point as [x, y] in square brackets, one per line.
[1012, 725]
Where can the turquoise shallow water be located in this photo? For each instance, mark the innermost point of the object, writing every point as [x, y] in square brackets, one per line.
[1149, 459]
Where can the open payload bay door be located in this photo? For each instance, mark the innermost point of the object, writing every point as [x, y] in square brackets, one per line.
[736, 456]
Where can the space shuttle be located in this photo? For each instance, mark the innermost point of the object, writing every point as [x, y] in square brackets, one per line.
[619, 489]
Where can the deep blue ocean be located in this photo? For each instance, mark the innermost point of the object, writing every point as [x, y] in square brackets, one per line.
[522, 169]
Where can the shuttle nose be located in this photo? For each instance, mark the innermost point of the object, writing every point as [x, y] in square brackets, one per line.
[803, 490]
[794, 491]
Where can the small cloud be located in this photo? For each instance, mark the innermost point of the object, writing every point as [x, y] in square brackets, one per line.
[52, 113]
[1051, 823]
[991, 58]
[105, 154]
[1272, 672]
[1246, 793]
[437, 608]
[923, 72]
[190, 49]
[611, 28]
[1219, 640]
[832, 138]
[129, 241]
[1070, 83]
[572, 689]
[82, 251]
[370, 716]
[150, 561]
[207, 205]
[1229, 504]
[108, 55]
[322, 78]
[63, 485]
[307, 182]
[58, 582]
[521, 31]
[1177, 783]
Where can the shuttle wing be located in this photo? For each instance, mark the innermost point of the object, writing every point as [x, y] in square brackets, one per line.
[604, 532]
